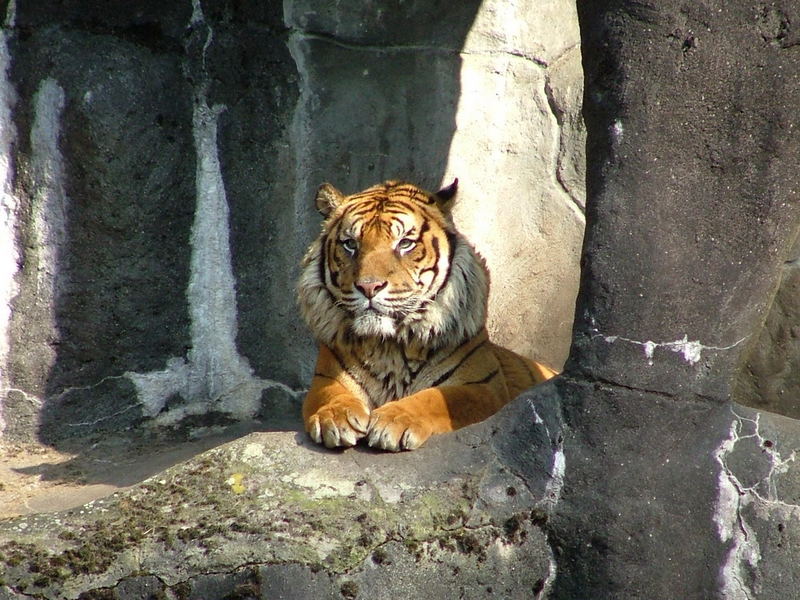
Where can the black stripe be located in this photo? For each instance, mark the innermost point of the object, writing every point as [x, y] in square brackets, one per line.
[528, 367]
[399, 204]
[323, 261]
[447, 375]
[329, 275]
[376, 195]
[338, 358]
[424, 229]
[395, 211]
[413, 193]
[324, 376]
[437, 252]
[423, 255]
[359, 209]
[412, 371]
[369, 222]
[452, 239]
[391, 219]
[486, 379]
[386, 380]
[399, 291]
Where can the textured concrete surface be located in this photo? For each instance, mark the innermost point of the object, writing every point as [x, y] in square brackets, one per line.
[672, 149]
[770, 377]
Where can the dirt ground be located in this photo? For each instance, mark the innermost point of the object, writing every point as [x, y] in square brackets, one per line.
[36, 478]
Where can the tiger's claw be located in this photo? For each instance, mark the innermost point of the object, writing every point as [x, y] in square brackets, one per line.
[393, 428]
[336, 426]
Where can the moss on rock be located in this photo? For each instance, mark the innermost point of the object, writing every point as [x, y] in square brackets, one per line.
[254, 501]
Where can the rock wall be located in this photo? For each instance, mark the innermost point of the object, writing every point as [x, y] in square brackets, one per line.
[692, 205]
[159, 164]
[684, 294]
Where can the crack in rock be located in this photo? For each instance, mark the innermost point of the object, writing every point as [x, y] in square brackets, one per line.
[554, 485]
[691, 350]
[734, 495]
[552, 491]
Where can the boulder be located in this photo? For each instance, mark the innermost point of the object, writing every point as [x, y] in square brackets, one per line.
[271, 515]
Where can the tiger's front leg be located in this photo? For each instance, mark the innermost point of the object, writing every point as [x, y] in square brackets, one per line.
[332, 414]
[407, 423]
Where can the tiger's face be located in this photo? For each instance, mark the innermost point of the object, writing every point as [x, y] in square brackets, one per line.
[386, 253]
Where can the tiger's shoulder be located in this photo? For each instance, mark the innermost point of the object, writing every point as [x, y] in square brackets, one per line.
[520, 372]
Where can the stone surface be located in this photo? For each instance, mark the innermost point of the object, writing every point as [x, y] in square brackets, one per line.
[573, 490]
[668, 497]
[770, 377]
[687, 228]
[276, 516]
[641, 486]
[631, 475]
[104, 259]
[475, 104]
[507, 83]
[704, 171]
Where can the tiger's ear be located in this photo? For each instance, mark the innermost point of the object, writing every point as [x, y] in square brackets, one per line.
[447, 195]
[328, 198]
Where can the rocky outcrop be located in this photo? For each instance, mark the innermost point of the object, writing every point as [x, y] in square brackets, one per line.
[691, 207]
[273, 516]
[123, 307]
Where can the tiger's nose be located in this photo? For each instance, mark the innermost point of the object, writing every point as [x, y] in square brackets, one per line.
[370, 287]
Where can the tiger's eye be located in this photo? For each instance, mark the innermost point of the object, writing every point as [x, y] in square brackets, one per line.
[406, 244]
[350, 246]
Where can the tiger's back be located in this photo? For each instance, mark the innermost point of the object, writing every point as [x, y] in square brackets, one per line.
[397, 298]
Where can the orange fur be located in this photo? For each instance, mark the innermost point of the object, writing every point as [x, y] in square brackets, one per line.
[397, 299]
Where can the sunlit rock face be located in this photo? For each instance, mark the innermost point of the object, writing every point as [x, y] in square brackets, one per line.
[158, 170]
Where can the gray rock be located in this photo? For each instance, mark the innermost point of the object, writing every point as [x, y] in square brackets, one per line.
[684, 288]
[109, 167]
[686, 229]
[573, 490]
[161, 168]
[770, 377]
[273, 515]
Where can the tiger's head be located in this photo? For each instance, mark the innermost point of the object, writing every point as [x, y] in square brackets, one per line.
[390, 264]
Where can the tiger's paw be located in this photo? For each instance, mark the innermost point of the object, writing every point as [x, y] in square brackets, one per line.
[338, 424]
[393, 427]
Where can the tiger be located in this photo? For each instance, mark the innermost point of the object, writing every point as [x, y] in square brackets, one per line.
[396, 299]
